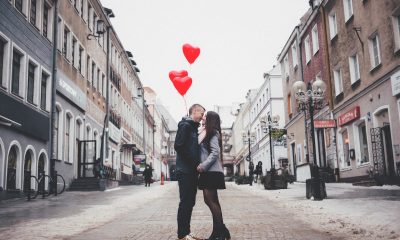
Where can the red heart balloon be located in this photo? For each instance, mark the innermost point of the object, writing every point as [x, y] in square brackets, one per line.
[182, 84]
[174, 74]
[190, 52]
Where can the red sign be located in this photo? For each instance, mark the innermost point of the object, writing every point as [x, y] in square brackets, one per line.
[329, 123]
[350, 116]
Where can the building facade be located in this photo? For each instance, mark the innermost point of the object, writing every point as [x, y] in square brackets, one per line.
[364, 43]
[26, 38]
[268, 102]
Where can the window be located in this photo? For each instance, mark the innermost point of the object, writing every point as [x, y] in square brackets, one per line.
[33, 12]
[315, 43]
[73, 51]
[338, 82]
[2, 57]
[93, 74]
[396, 30]
[66, 42]
[289, 104]
[60, 34]
[80, 57]
[16, 72]
[332, 26]
[294, 55]
[19, 5]
[88, 69]
[56, 131]
[98, 79]
[286, 67]
[348, 9]
[362, 132]
[374, 51]
[104, 84]
[44, 95]
[354, 69]
[81, 5]
[345, 141]
[32, 69]
[67, 137]
[90, 17]
[46, 9]
[307, 45]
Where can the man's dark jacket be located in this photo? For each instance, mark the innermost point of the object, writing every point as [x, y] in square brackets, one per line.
[187, 147]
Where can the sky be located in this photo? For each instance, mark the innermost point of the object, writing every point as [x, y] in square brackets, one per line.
[239, 41]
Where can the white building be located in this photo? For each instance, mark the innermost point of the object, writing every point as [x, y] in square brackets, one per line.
[268, 102]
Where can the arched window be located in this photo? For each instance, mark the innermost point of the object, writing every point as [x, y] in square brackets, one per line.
[12, 167]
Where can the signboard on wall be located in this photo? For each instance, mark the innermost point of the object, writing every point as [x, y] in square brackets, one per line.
[140, 162]
[328, 123]
[395, 79]
[349, 116]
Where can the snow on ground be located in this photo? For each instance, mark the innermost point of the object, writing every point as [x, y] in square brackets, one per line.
[353, 211]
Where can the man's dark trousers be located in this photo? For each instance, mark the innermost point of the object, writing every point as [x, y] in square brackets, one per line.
[187, 194]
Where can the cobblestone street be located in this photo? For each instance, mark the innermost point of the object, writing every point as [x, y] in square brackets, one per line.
[136, 212]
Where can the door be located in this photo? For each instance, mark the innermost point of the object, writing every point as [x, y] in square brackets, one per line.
[294, 161]
[86, 158]
[387, 141]
[321, 148]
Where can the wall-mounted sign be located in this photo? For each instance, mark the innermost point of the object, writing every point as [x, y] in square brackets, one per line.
[349, 116]
[114, 133]
[328, 123]
[395, 79]
[70, 90]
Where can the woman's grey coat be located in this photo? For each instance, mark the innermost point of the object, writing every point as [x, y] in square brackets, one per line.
[210, 161]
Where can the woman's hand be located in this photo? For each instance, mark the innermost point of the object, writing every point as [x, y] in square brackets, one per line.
[200, 169]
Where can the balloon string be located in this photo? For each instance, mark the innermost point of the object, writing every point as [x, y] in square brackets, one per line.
[184, 98]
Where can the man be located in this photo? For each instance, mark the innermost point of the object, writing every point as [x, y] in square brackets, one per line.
[148, 173]
[187, 160]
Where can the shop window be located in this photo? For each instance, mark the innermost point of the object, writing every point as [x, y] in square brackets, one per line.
[345, 141]
[362, 132]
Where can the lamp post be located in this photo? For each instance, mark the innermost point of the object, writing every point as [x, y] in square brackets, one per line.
[248, 138]
[311, 98]
[268, 123]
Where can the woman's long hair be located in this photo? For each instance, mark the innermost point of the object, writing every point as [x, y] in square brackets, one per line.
[213, 127]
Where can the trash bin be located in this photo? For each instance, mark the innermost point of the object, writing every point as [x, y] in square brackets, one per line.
[312, 184]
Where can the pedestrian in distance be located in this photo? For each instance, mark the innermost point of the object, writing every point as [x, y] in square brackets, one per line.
[148, 174]
[187, 159]
[258, 172]
[211, 172]
[251, 172]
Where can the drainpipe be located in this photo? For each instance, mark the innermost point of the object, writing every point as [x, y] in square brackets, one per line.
[329, 80]
[299, 59]
[53, 92]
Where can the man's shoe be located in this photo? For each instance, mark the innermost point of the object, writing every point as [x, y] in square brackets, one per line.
[195, 238]
[187, 237]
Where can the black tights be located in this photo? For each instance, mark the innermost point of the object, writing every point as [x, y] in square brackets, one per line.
[211, 199]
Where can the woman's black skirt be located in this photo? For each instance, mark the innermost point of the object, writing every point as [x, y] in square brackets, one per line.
[211, 180]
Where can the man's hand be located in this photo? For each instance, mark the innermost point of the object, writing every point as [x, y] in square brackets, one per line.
[200, 169]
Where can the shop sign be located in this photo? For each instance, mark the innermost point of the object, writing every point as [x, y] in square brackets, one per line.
[395, 79]
[115, 133]
[349, 116]
[126, 135]
[328, 123]
[70, 90]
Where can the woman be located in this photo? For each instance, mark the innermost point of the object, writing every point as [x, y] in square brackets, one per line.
[211, 171]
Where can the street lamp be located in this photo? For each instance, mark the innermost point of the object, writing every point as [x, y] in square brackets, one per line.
[248, 138]
[268, 123]
[310, 98]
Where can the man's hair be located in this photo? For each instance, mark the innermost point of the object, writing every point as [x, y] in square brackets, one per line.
[195, 106]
